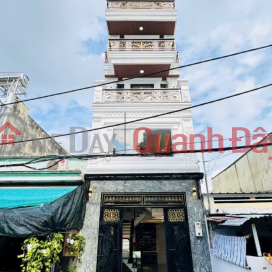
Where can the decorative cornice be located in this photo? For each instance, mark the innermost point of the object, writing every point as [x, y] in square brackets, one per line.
[140, 17]
[140, 5]
[137, 113]
[144, 175]
[142, 60]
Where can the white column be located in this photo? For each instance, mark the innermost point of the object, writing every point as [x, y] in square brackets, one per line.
[256, 240]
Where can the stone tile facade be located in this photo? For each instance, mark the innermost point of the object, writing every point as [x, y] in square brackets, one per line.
[200, 249]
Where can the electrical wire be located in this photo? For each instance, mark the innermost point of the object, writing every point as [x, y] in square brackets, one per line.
[146, 118]
[260, 144]
[224, 139]
[140, 76]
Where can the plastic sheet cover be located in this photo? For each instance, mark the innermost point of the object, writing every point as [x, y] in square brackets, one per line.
[65, 213]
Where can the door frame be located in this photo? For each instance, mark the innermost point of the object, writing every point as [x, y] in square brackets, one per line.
[146, 200]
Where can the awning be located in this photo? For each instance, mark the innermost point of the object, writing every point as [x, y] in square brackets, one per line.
[241, 219]
[220, 219]
[31, 197]
[235, 222]
[67, 212]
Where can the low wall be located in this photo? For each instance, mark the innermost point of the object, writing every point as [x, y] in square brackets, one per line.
[257, 264]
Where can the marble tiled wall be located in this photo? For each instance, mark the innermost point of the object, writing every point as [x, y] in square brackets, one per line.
[200, 249]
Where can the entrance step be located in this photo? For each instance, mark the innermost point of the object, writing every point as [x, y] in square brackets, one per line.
[129, 266]
[141, 217]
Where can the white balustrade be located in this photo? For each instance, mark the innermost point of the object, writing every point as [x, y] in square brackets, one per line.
[140, 5]
[141, 96]
[141, 45]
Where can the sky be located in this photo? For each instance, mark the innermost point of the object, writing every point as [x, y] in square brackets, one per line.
[60, 46]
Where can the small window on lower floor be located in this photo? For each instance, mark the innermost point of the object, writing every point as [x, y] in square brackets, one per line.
[120, 86]
[142, 86]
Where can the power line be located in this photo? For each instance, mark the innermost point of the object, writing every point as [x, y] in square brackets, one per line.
[60, 158]
[146, 118]
[224, 139]
[140, 76]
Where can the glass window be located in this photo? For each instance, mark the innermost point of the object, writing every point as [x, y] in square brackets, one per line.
[161, 139]
[120, 86]
[123, 142]
[142, 86]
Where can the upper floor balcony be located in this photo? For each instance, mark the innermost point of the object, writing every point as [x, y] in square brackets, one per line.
[128, 58]
[141, 18]
[141, 45]
[143, 91]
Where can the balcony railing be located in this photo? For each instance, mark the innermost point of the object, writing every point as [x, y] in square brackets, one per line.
[141, 45]
[141, 95]
[140, 5]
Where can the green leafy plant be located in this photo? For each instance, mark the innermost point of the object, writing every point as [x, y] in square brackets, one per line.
[38, 255]
[76, 244]
[73, 270]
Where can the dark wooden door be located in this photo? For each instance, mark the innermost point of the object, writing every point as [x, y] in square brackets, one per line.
[177, 236]
[109, 257]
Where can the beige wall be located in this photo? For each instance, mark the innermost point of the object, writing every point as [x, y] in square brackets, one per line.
[18, 116]
[251, 173]
[160, 241]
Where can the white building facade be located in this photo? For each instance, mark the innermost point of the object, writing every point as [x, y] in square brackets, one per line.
[145, 44]
[132, 195]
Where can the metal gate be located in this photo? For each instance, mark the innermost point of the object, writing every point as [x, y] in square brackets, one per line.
[109, 257]
[177, 238]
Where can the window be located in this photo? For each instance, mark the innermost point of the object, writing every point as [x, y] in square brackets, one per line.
[123, 141]
[142, 86]
[120, 86]
[164, 86]
[164, 134]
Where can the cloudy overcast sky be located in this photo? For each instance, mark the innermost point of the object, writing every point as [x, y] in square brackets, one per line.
[60, 45]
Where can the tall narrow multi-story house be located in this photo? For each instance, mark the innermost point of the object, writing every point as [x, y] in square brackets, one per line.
[145, 213]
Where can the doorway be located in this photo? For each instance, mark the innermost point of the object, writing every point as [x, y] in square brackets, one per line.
[144, 238]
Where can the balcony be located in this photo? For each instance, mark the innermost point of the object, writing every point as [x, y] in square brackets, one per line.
[141, 18]
[141, 45]
[142, 96]
[140, 5]
[126, 58]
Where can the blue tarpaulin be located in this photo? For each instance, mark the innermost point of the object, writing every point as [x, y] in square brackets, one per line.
[31, 197]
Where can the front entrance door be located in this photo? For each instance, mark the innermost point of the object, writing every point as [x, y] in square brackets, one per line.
[138, 208]
[109, 257]
[179, 257]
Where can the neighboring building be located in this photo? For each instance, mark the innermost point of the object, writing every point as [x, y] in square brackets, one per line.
[145, 212]
[251, 173]
[39, 202]
[241, 206]
[17, 125]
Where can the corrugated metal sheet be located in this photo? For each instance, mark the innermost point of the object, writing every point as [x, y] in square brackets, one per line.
[235, 222]
[242, 219]
[250, 173]
[220, 218]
